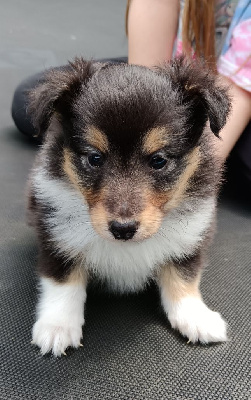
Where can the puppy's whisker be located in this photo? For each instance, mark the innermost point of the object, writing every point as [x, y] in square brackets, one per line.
[162, 234]
[170, 228]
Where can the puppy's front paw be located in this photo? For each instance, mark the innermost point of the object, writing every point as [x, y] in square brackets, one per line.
[55, 337]
[197, 322]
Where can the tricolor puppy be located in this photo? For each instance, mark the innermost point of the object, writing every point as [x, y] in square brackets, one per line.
[124, 191]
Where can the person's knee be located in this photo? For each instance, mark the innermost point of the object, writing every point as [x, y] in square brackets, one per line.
[20, 102]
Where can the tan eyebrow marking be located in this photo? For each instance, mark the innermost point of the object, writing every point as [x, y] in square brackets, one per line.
[155, 139]
[97, 139]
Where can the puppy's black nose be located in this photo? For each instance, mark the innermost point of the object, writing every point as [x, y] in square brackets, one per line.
[123, 231]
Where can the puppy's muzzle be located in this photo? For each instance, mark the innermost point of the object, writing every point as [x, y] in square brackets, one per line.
[123, 231]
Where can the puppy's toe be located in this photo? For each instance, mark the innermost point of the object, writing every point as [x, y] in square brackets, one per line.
[197, 322]
[55, 337]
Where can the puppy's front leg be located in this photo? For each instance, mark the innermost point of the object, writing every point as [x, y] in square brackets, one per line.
[184, 306]
[60, 313]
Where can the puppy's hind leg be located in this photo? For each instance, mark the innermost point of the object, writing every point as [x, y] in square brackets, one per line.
[183, 304]
[60, 313]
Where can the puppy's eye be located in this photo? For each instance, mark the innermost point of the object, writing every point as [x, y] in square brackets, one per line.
[157, 162]
[96, 160]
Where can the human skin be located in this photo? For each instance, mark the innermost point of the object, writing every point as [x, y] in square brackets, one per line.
[238, 118]
[152, 27]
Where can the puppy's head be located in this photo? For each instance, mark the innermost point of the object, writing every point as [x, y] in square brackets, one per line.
[128, 138]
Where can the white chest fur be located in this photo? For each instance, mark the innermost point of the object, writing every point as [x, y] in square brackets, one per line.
[126, 266]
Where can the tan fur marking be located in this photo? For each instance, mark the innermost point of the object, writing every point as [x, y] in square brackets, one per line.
[99, 218]
[69, 170]
[97, 139]
[155, 140]
[176, 194]
[159, 199]
[175, 287]
[89, 196]
[78, 274]
[150, 220]
[187, 87]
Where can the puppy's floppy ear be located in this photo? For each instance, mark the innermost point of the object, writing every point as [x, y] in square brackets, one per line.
[218, 106]
[199, 91]
[57, 90]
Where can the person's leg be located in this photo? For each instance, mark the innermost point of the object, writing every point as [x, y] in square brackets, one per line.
[235, 145]
[238, 171]
[238, 118]
[243, 152]
[20, 99]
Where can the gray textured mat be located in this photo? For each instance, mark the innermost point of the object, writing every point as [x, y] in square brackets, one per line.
[129, 350]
